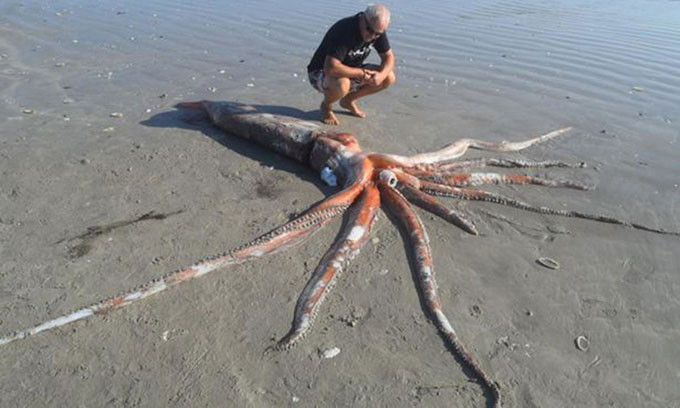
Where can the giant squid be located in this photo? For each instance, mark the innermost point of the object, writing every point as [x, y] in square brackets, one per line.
[367, 183]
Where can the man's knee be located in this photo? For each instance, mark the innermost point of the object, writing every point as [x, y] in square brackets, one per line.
[336, 85]
[389, 80]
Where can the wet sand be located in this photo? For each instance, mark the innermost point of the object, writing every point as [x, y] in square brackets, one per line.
[75, 183]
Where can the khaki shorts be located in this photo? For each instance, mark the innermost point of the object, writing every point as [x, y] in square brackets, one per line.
[316, 78]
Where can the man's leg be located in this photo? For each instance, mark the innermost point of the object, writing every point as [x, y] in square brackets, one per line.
[349, 101]
[334, 90]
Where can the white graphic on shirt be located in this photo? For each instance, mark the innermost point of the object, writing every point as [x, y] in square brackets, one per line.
[360, 53]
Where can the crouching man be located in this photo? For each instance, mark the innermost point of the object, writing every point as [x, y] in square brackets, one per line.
[337, 68]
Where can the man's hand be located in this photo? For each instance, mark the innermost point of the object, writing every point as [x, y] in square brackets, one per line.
[376, 79]
[371, 77]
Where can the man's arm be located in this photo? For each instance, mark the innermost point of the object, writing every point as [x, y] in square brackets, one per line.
[335, 68]
[386, 66]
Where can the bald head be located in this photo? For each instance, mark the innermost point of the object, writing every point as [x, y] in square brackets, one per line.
[378, 16]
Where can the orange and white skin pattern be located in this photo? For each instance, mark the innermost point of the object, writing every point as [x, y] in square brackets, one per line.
[368, 180]
[424, 271]
[361, 218]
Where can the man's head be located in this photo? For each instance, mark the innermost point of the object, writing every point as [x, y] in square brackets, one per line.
[375, 20]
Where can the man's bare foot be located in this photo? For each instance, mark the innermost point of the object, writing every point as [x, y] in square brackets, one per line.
[327, 115]
[352, 107]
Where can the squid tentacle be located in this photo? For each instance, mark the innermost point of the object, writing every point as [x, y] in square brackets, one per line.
[480, 195]
[478, 179]
[286, 235]
[430, 204]
[424, 270]
[488, 162]
[459, 147]
[362, 216]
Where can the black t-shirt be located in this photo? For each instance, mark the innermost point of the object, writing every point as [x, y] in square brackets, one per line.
[343, 41]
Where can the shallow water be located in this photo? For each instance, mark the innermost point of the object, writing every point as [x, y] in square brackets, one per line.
[613, 58]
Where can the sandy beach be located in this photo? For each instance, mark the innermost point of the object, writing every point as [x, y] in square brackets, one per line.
[104, 187]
